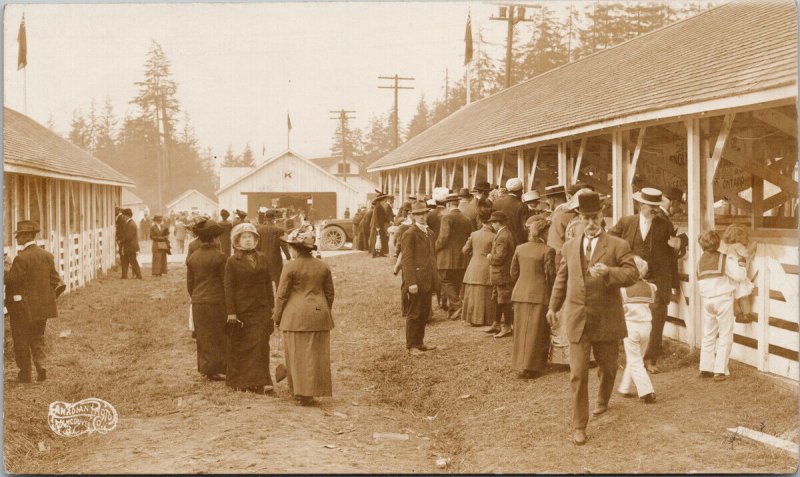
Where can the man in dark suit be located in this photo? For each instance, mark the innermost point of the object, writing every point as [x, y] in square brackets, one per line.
[472, 210]
[129, 245]
[378, 225]
[594, 266]
[503, 246]
[270, 244]
[451, 262]
[418, 263]
[225, 236]
[649, 236]
[32, 285]
[119, 221]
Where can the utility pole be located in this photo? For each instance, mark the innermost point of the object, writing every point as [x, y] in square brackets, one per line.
[396, 87]
[511, 14]
[342, 118]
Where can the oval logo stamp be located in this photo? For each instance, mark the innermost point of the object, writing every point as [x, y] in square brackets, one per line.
[83, 417]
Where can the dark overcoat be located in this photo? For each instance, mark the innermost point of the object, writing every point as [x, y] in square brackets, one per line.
[31, 284]
[503, 245]
[269, 243]
[129, 237]
[533, 269]
[418, 259]
[305, 296]
[453, 234]
[205, 274]
[516, 212]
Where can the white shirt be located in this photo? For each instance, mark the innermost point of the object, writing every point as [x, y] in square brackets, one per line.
[586, 241]
[423, 227]
[644, 225]
[28, 244]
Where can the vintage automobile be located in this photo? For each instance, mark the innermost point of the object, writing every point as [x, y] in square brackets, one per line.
[335, 233]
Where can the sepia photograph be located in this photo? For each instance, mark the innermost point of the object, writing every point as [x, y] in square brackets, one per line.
[389, 237]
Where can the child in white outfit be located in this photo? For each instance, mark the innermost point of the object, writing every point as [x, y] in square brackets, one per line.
[717, 277]
[738, 245]
[636, 301]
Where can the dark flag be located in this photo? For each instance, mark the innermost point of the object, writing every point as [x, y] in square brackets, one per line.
[468, 42]
[22, 59]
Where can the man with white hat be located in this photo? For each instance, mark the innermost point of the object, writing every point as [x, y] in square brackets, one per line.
[515, 211]
[531, 199]
[648, 234]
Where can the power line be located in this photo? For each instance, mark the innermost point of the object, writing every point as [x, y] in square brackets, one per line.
[396, 87]
[343, 118]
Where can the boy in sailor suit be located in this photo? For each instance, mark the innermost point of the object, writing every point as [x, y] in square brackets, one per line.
[717, 276]
[636, 301]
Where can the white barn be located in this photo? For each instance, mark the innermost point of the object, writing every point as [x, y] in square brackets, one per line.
[288, 179]
[192, 200]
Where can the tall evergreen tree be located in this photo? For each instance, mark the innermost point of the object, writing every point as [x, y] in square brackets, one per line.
[486, 76]
[545, 51]
[247, 158]
[79, 131]
[230, 160]
[106, 132]
[379, 137]
[420, 120]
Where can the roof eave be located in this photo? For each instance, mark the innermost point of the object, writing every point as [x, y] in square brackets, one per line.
[34, 171]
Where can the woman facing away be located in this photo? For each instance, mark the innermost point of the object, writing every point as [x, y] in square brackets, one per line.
[159, 234]
[249, 301]
[303, 314]
[478, 308]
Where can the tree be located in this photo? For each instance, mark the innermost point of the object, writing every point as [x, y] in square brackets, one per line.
[79, 131]
[606, 27]
[353, 142]
[379, 137]
[545, 51]
[420, 121]
[247, 159]
[230, 160]
[105, 141]
[486, 78]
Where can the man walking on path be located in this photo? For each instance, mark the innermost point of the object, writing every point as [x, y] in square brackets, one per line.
[593, 268]
[32, 285]
[503, 246]
[418, 263]
[650, 236]
[129, 245]
[270, 244]
[516, 212]
[451, 262]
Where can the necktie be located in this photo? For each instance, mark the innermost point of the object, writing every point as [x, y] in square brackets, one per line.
[588, 254]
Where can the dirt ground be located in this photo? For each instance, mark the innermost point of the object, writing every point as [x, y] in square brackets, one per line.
[129, 344]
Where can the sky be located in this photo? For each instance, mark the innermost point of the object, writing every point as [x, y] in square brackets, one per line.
[241, 67]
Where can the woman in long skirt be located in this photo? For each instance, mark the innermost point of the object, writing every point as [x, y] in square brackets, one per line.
[303, 313]
[478, 309]
[159, 234]
[205, 276]
[533, 270]
[249, 301]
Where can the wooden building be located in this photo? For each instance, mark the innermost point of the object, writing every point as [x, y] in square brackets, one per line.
[137, 205]
[707, 105]
[192, 200]
[68, 191]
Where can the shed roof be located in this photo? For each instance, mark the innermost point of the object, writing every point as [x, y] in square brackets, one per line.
[30, 148]
[735, 49]
[186, 194]
[128, 197]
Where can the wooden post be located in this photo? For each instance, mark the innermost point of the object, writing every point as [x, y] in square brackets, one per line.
[577, 168]
[58, 249]
[14, 211]
[26, 197]
[563, 178]
[762, 326]
[403, 176]
[617, 175]
[694, 219]
[706, 178]
[474, 180]
[68, 243]
[521, 167]
[490, 170]
[534, 165]
[381, 180]
[444, 174]
[465, 173]
[81, 231]
[758, 200]
[501, 169]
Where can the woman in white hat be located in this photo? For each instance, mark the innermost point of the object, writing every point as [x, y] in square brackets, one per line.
[249, 301]
[303, 314]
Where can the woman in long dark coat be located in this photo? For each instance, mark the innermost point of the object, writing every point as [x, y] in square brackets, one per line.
[159, 234]
[303, 313]
[533, 270]
[205, 275]
[249, 301]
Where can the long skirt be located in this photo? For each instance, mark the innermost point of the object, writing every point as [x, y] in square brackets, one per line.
[308, 362]
[531, 337]
[160, 262]
[209, 326]
[248, 352]
[477, 307]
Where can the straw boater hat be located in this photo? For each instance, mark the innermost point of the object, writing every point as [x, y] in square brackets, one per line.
[589, 203]
[514, 184]
[419, 207]
[452, 198]
[302, 238]
[555, 190]
[648, 195]
[530, 196]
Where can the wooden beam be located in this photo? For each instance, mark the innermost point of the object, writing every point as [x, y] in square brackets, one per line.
[562, 164]
[475, 172]
[502, 169]
[694, 219]
[757, 194]
[577, 167]
[465, 173]
[784, 445]
[427, 179]
[706, 177]
[755, 167]
[521, 167]
[618, 175]
[490, 169]
[534, 165]
[777, 120]
[740, 203]
[637, 152]
[722, 138]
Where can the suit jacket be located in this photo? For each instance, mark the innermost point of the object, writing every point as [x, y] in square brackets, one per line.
[305, 296]
[435, 222]
[225, 237]
[533, 269]
[593, 304]
[119, 221]
[248, 287]
[503, 245]
[159, 233]
[380, 219]
[205, 274]
[129, 237]
[657, 252]
[269, 243]
[560, 218]
[418, 259]
[517, 213]
[366, 222]
[478, 246]
[453, 234]
[33, 277]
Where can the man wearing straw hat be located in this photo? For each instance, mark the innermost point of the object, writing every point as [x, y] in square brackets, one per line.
[419, 280]
[595, 265]
[650, 236]
[32, 285]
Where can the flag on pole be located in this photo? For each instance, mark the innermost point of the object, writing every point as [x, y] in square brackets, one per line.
[468, 41]
[22, 59]
[288, 121]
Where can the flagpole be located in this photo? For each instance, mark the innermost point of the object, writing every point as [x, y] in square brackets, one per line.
[469, 84]
[25, 90]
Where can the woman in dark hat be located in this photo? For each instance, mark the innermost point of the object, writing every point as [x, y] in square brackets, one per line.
[303, 314]
[533, 269]
[205, 274]
[249, 301]
[159, 234]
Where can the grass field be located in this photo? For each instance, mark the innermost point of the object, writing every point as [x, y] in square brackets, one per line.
[129, 344]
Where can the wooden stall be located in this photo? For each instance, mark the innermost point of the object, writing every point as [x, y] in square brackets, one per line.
[69, 192]
[706, 105]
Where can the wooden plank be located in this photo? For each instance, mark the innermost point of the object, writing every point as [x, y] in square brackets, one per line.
[762, 326]
[637, 152]
[26, 197]
[577, 168]
[757, 194]
[427, 179]
[521, 167]
[722, 138]
[14, 211]
[502, 170]
[490, 170]
[68, 235]
[452, 179]
[694, 217]
[534, 165]
[740, 203]
[767, 439]
[474, 181]
[754, 167]
[562, 164]
[774, 201]
[617, 174]
[778, 120]
[465, 173]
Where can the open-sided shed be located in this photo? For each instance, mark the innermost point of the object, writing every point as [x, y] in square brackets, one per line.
[707, 105]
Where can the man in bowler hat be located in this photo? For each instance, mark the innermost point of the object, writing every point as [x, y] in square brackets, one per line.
[593, 268]
[32, 285]
[129, 245]
[418, 261]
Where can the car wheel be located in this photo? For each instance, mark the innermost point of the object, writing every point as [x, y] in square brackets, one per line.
[333, 238]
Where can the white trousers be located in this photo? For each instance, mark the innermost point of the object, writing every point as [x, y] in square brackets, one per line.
[635, 347]
[717, 333]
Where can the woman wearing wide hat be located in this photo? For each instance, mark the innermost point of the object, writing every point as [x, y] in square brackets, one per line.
[303, 314]
[205, 277]
[159, 234]
[249, 302]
